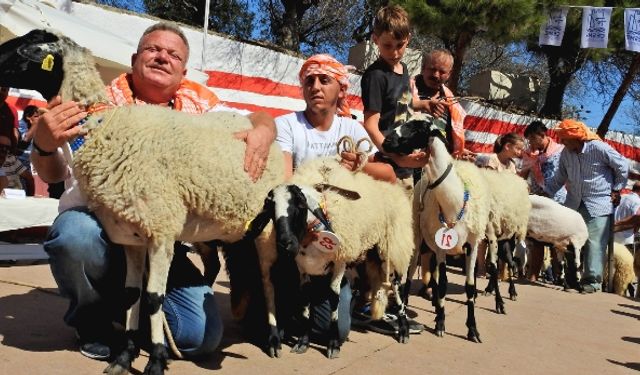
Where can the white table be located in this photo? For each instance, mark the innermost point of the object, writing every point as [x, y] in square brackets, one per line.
[25, 213]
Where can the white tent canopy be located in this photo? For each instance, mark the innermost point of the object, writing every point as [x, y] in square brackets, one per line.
[112, 51]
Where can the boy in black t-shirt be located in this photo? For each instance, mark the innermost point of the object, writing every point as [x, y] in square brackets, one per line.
[384, 83]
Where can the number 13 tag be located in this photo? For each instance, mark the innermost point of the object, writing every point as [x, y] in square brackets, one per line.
[446, 238]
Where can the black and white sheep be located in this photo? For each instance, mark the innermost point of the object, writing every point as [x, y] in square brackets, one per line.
[364, 213]
[457, 199]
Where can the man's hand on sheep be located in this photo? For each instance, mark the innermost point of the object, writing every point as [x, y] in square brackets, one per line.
[416, 159]
[57, 125]
[259, 140]
[349, 160]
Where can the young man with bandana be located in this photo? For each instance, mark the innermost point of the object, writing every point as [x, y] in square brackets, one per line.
[593, 173]
[89, 269]
[314, 133]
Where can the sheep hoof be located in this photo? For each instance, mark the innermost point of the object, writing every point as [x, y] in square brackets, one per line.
[403, 338]
[500, 309]
[473, 335]
[274, 346]
[439, 332]
[274, 352]
[513, 297]
[301, 346]
[157, 360]
[116, 369]
[333, 349]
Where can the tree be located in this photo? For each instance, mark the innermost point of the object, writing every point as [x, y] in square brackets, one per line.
[457, 23]
[232, 17]
[312, 26]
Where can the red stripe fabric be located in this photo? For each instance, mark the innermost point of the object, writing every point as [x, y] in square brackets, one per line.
[264, 86]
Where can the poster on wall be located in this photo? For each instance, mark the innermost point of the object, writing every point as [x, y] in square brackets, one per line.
[552, 31]
[595, 27]
[632, 29]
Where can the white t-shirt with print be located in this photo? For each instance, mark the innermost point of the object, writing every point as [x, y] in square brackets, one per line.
[299, 138]
[629, 206]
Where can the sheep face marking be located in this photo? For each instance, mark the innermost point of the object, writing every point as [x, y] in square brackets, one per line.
[32, 61]
[410, 136]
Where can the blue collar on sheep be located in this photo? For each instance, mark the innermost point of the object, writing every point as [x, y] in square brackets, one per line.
[32, 61]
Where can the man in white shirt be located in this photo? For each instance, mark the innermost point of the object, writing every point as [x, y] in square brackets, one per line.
[627, 214]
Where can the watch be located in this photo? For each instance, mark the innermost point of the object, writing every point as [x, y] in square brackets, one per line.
[40, 151]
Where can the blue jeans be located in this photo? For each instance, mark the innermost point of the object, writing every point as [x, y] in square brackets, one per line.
[321, 310]
[90, 270]
[595, 249]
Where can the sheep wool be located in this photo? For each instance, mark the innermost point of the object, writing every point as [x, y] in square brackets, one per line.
[382, 216]
[158, 170]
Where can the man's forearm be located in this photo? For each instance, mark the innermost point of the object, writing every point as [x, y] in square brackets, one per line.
[262, 119]
[51, 168]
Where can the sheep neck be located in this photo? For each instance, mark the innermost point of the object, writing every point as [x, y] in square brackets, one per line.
[450, 193]
[82, 82]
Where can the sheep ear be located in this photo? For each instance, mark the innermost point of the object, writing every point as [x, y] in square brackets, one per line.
[37, 52]
[301, 199]
[257, 225]
[349, 194]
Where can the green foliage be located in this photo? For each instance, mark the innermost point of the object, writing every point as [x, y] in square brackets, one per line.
[497, 20]
[313, 26]
[231, 17]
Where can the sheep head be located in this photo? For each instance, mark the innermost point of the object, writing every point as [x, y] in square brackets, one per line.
[414, 135]
[33, 61]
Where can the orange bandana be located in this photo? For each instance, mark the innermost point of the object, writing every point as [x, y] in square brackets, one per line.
[571, 129]
[191, 96]
[326, 64]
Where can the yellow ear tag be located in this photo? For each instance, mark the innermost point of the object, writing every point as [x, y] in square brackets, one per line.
[47, 63]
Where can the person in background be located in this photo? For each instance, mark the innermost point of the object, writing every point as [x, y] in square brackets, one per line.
[431, 95]
[540, 163]
[627, 217]
[506, 149]
[13, 172]
[8, 118]
[30, 115]
[593, 173]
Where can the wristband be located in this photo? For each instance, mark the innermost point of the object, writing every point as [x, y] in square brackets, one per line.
[40, 151]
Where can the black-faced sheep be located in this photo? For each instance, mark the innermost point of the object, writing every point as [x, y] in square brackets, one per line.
[153, 176]
[456, 203]
[364, 213]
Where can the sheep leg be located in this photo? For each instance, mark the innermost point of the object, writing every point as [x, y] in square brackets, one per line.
[333, 346]
[571, 276]
[403, 323]
[135, 257]
[439, 275]
[274, 343]
[302, 344]
[493, 272]
[470, 291]
[160, 256]
[506, 255]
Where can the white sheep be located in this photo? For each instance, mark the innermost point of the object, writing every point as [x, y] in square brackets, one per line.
[455, 203]
[153, 176]
[549, 223]
[623, 265]
[364, 213]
